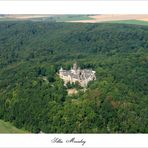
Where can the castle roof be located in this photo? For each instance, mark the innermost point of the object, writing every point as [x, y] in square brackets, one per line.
[80, 74]
[83, 76]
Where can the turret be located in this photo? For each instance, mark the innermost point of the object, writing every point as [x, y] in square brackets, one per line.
[61, 71]
[75, 66]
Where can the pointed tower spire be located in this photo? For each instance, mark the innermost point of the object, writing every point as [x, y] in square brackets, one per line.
[75, 66]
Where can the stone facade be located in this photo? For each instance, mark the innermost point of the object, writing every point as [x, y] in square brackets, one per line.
[83, 76]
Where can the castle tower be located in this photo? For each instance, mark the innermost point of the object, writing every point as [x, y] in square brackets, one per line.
[75, 66]
[61, 71]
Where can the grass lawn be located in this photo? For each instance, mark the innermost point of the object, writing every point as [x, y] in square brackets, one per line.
[64, 18]
[136, 22]
[6, 127]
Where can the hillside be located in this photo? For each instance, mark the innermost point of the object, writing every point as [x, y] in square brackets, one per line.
[6, 127]
[32, 52]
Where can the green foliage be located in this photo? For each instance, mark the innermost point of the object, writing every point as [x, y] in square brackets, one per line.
[6, 127]
[33, 97]
[73, 85]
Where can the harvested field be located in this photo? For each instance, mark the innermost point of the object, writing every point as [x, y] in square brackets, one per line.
[114, 17]
[25, 17]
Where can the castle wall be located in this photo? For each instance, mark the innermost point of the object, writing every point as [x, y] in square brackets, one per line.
[83, 82]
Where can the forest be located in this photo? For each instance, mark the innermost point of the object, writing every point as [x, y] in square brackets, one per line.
[116, 102]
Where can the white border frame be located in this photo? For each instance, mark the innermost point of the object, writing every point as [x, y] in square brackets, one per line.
[92, 140]
[73, 7]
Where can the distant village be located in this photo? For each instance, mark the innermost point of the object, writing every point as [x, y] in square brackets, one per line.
[76, 74]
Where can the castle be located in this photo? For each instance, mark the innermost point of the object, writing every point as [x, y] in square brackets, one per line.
[83, 76]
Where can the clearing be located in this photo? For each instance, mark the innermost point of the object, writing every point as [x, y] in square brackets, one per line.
[72, 91]
[6, 127]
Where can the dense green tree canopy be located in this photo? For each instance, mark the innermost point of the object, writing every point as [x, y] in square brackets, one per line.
[33, 97]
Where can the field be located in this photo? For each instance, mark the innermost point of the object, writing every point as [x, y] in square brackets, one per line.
[6, 127]
[134, 22]
[124, 19]
[53, 18]
[120, 19]
[65, 18]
